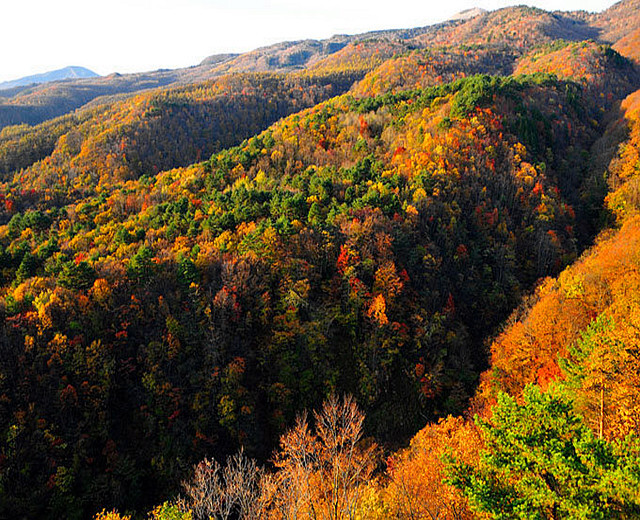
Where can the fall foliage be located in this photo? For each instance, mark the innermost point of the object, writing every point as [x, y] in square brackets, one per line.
[440, 222]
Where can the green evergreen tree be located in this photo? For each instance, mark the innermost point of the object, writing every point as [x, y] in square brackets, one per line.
[542, 462]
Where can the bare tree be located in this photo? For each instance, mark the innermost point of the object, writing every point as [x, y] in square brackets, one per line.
[222, 493]
[322, 475]
[242, 478]
[205, 492]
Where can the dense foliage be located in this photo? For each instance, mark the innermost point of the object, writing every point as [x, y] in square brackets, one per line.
[158, 311]
[541, 461]
[434, 66]
[208, 304]
[588, 63]
[519, 27]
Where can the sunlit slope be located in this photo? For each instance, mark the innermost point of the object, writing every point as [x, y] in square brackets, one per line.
[586, 319]
[435, 66]
[74, 155]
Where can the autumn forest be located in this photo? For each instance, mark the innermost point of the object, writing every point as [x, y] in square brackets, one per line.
[386, 276]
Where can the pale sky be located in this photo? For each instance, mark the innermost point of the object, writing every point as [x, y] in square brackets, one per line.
[141, 35]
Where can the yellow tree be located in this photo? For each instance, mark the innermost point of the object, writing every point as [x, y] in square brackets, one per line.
[416, 490]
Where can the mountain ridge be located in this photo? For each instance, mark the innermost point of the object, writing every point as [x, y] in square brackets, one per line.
[35, 104]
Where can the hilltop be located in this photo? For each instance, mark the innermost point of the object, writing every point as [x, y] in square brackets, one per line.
[467, 14]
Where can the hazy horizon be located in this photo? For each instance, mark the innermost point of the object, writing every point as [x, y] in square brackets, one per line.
[138, 35]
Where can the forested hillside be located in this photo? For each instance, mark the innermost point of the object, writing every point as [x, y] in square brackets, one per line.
[154, 131]
[185, 270]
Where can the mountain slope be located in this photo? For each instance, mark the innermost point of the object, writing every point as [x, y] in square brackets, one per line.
[576, 338]
[434, 66]
[33, 105]
[617, 22]
[154, 131]
[598, 68]
[629, 46]
[597, 285]
[36, 104]
[387, 211]
[518, 27]
[365, 245]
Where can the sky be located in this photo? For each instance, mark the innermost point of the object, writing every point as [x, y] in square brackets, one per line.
[141, 35]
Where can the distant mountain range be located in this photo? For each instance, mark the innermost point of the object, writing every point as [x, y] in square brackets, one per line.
[516, 28]
[47, 77]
